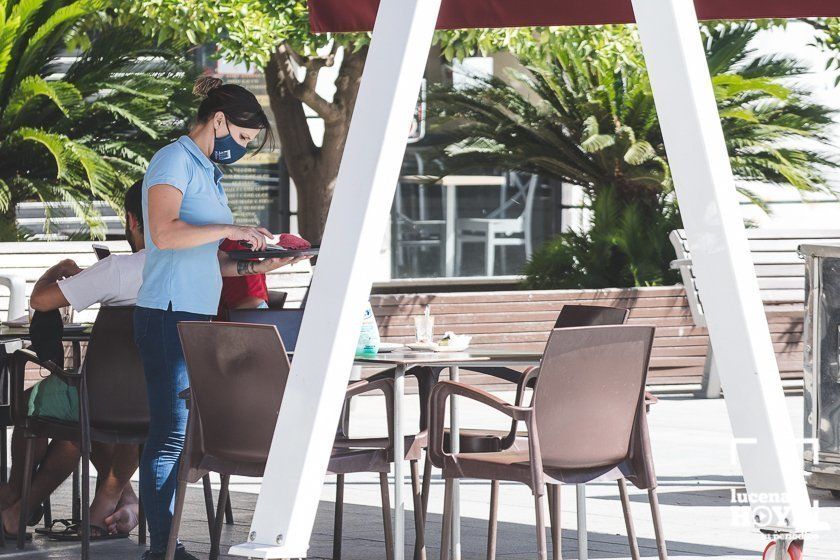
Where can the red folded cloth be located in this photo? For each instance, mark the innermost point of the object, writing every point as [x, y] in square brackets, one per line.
[289, 241]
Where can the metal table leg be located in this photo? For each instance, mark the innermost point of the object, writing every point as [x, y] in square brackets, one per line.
[455, 444]
[399, 464]
[451, 216]
[583, 541]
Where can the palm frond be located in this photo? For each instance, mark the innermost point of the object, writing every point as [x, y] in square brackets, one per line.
[63, 95]
[5, 196]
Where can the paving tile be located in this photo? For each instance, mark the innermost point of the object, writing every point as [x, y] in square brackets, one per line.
[696, 471]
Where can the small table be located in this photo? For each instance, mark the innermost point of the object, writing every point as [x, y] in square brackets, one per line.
[401, 361]
[449, 184]
[75, 337]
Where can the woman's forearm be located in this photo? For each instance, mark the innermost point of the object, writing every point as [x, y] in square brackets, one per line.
[177, 234]
[168, 231]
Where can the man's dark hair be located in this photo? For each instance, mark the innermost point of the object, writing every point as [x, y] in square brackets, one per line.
[134, 201]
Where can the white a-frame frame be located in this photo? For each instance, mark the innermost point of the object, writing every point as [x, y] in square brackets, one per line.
[303, 438]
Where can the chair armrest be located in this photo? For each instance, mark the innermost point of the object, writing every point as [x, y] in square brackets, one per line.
[679, 263]
[367, 386]
[437, 409]
[20, 408]
[69, 376]
[528, 379]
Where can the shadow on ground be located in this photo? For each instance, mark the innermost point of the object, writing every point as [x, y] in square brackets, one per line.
[364, 538]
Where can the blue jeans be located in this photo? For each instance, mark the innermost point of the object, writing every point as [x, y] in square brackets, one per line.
[156, 335]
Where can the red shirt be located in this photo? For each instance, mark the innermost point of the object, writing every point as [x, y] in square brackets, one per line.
[237, 288]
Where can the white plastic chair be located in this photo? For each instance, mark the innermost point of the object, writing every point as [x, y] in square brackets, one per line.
[411, 232]
[497, 230]
[17, 294]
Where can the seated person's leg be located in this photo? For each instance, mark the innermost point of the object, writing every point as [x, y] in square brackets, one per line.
[114, 464]
[10, 492]
[50, 398]
[58, 464]
[127, 515]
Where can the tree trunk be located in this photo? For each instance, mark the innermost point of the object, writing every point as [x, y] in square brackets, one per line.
[312, 168]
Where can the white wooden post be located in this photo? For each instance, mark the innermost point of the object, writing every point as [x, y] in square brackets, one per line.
[734, 312]
[359, 213]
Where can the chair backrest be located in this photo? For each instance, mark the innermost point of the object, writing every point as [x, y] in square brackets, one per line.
[277, 299]
[589, 393]
[590, 316]
[523, 198]
[287, 321]
[116, 384]
[237, 375]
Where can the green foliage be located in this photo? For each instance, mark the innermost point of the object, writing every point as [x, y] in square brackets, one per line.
[584, 113]
[828, 39]
[623, 248]
[245, 31]
[85, 134]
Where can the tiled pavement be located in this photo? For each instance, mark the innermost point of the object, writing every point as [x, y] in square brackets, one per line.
[697, 476]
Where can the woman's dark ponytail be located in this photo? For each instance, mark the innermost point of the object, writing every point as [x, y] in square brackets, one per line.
[205, 84]
[239, 105]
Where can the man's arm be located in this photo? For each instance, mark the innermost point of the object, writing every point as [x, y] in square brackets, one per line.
[46, 295]
[232, 267]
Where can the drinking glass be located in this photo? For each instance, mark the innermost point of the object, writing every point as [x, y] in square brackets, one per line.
[423, 328]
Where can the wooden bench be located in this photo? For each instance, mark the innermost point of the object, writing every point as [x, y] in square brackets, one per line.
[523, 320]
[781, 280]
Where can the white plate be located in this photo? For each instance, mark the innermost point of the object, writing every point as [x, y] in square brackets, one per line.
[385, 347]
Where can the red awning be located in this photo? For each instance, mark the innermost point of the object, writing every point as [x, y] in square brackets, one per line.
[359, 15]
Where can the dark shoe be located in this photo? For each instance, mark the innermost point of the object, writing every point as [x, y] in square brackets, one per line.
[180, 554]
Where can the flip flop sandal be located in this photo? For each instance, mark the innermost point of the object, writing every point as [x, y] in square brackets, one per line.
[63, 526]
[74, 533]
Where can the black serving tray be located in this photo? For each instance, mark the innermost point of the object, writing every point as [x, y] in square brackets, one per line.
[273, 252]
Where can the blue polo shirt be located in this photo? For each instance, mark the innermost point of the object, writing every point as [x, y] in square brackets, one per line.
[188, 279]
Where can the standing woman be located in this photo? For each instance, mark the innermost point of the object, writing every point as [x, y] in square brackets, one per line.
[187, 215]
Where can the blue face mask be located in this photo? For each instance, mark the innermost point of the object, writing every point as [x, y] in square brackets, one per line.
[226, 150]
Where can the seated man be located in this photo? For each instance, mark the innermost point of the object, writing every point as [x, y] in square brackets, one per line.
[251, 291]
[114, 280]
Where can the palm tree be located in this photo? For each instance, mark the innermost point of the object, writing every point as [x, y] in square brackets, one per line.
[84, 132]
[584, 113]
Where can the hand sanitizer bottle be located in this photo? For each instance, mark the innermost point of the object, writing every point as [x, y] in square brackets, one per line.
[369, 337]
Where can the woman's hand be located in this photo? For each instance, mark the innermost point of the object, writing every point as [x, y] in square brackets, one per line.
[255, 236]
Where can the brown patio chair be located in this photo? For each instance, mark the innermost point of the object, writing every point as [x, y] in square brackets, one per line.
[288, 322]
[571, 315]
[238, 374]
[476, 441]
[587, 422]
[113, 408]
